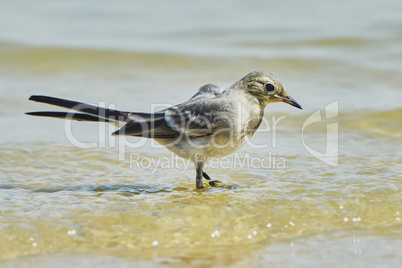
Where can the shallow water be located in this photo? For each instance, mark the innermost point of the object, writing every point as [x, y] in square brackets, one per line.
[61, 205]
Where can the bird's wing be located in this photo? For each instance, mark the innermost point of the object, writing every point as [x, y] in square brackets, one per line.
[152, 126]
[199, 118]
[202, 115]
[206, 91]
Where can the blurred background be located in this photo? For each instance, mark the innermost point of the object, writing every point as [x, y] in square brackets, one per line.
[62, 205]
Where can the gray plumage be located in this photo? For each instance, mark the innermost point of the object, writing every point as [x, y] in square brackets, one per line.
[215, 122]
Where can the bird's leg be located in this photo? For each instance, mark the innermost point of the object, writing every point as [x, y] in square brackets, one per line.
[198, 179]
[200, 174]
[205, 175]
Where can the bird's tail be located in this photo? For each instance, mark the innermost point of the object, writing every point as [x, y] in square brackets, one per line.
[84, 112]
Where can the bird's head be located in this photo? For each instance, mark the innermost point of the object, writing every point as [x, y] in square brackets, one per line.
[267, 88]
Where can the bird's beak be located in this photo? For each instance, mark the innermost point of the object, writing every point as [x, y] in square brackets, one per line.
[289, 100]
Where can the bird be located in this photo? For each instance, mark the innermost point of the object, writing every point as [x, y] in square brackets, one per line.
[215, 122]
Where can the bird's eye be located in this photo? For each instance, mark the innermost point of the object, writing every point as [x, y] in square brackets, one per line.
[269, 87]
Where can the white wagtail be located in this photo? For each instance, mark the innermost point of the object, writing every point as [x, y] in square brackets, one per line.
[215, 122]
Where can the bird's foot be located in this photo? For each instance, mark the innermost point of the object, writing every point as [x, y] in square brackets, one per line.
[206, 176]
[213, 184]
